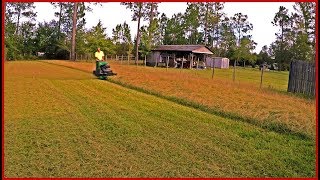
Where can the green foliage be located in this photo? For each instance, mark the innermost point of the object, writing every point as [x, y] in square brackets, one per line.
[264, 56]
[228, 39]
[296, 37]
[211, 15]
[201, 23]
[174, 32]
[19, 34]
[237, 29]
[301, 49]
[122, 39]
[96, 37]
[243, 51]
[191, 23]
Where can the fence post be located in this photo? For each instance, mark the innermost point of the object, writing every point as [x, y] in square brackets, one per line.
[145, 60]
[290, 77]
[262, 69]
[212, 65]
[121, 58]
[128, 59]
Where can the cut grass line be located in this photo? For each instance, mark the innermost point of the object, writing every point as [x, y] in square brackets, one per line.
[268, 125]
[64, 66]
[276, 127]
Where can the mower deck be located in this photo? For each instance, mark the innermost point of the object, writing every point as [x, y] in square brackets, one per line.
[103, 70]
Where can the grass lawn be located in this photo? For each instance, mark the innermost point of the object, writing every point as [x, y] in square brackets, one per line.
[277, 80]
[61, 122]
[244, 101]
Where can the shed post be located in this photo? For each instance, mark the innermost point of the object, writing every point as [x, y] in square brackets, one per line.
[167, 62]
[198, 63]
[191, 61]
[174, 61]
[182, 62]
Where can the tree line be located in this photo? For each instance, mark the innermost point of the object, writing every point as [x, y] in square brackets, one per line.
[201, 23]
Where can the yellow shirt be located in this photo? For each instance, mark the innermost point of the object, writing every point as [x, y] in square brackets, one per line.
[99, 55]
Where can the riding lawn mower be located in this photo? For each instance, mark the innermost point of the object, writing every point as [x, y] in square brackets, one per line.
[103, 70]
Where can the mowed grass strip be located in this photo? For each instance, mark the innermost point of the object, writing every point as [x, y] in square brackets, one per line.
[266, 108]
[84, 127]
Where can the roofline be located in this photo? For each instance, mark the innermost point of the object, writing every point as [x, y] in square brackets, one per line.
[183, 45]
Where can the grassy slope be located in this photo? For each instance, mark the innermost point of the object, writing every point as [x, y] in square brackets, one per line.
[61, 122]
[265, 108]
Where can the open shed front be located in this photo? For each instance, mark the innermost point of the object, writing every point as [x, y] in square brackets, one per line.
[179, 56]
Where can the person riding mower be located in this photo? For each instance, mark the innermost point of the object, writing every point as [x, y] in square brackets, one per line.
[103, 70]
[102, 67]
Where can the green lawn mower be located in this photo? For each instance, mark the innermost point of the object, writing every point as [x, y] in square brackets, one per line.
[103, 70]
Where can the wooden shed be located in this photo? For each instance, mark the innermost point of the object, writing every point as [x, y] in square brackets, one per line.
[179, 56]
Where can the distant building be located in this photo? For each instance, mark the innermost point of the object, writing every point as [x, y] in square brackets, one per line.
[218, 62]
[185, 56]
[40, 54]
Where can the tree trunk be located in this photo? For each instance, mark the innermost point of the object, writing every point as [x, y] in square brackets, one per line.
[150, 25]
[216, 30]
[4, 32]
[234, 70]
[138, 35]
[59, 22]
[281, 48]
[18, 21]
[74, 29]
[206, 26]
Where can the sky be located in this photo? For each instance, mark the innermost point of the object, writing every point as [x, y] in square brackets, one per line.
[260, 14]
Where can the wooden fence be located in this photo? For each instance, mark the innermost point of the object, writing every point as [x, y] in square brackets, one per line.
[302, 78]
[123, 59]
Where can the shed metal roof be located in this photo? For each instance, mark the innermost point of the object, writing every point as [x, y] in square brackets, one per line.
[189, 48]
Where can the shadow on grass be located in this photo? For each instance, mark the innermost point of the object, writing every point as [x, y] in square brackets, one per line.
[271, 126]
